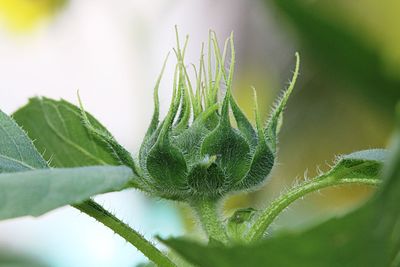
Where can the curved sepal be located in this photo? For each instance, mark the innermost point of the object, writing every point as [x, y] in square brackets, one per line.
[263, 158]
[243, 123]
[167, 166]
[156, 113]
[101, 133]
[261, 166]
[275, 120]
[182, 121]
[230, 148]
[206, 179]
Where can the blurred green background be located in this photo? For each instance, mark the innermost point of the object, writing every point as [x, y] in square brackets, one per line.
[113, 50]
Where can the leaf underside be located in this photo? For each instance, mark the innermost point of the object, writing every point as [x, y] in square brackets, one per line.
[17, 152]
[39, 191]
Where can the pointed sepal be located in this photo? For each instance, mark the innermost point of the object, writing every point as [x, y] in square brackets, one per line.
[229, 146]
[275, 120]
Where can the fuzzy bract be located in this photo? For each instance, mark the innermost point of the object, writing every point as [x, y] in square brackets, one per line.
[195, 152]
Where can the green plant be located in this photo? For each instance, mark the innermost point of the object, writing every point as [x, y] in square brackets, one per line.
[195, 156]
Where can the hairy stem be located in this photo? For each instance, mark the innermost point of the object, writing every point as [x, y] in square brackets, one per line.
[96, 211]
[256, 232]
[208, 215]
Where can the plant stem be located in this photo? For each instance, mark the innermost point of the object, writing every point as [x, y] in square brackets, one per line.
[262, 223]
[96, 211]
[208, 215]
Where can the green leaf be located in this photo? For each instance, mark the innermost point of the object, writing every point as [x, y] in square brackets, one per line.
[36, 192]
[29, 187]
[12, 259]
[368, 236]
[365, 164]
[147, 264]
[17, 152]
[362, 167]
[388, 207]
[58, 131]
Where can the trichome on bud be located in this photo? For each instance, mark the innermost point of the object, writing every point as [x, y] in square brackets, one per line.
[194, 152]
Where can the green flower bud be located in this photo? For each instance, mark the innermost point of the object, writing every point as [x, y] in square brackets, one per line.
[194, 152]
[239, 223]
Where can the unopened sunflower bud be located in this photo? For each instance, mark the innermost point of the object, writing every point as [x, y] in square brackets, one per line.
[194, 152]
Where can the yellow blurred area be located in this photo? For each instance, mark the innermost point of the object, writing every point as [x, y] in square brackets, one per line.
[379, 22]
[265, 86]
[24, 15]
